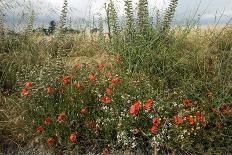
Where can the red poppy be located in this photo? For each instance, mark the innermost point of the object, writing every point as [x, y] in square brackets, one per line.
[72, 137]
[154, 129]
[51, 141]
[117, 59]
[77, 66]
[49, 90]
[191, 120]
[135, 107]
[61, 117]
[105, 99]
[178, 120]
[84, 110]
[187, 102]
[78, 85]
[40, 129]
[115, 80]
[92, 77]
[148, 104]
[66, 80]
[24, 92]
[199, 115]
[214, 110]
[47, 120]
[156, 121]
[108, 91]
[225, 109]
[28, 84]
[101, 66]
[62, 90]
[209, 93]
[105, 151]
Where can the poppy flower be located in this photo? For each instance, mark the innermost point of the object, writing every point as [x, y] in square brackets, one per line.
[24, 92]
[199, 115]
[62, 90]
[66, 80]
[49, 90]
[51, 141]
[92, 77]
[225, 109]
[191, 120]
[47, 120]
[72, 137]
[105, 151]
[117, 59]
[84, 110]
[101, 66]
[61, 117]
[178, 120]
[153, 129]
[77, 66]
[187, 102]
[78, 85]
[135, 107]
[156, 121]
[214, 110]
[115, 80]
[108, 91]
[40, 129]
[28, 84]
[148, 104]
[209, 93]
[105, 99]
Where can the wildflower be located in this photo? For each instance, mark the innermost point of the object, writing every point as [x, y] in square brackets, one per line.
[84, 110]
[156, 121]
[101, 66]
[117, 59]
[61, 117]
[191, 120]
[115, 80]
[108, 74]
[92, 77]
[40, 129]
[108, 91]
[28, 84]
[49, 90]
[214, 110]
[199, 115]
[148, 104]
[47, 120]
[187, 102]
[154, 129]
[178, 120]
[105, 99]
[72, 137]
[135, 107]
[77, 66]
[209, 93]
[105, 151]
[62, 90]
[78, 85]
[24, 92]
[51, 141]
[66, 80]
[225, 109]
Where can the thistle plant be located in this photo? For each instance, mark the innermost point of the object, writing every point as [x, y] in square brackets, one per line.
[169, 14]
[143, 17]
[129, 29]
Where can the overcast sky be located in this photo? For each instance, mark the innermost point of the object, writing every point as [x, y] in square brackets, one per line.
[208, 10]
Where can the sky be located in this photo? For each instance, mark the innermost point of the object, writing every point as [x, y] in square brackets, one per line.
[209, 11]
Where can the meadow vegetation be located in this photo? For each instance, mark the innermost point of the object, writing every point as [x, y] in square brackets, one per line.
[155, 87]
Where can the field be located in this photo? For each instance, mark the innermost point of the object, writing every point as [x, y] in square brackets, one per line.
[139, 89]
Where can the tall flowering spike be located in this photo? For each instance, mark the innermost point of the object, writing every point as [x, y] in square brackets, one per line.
[135, 108]
[178, 120]
[92, 77]
[28, 84]
[148, 104]
[106, 99]
[187, 102]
